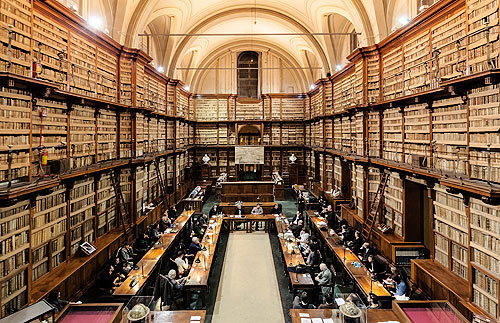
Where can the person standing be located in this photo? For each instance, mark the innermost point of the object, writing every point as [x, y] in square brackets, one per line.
[301, 203]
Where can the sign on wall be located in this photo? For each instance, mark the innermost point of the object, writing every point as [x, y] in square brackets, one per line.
[249, 154]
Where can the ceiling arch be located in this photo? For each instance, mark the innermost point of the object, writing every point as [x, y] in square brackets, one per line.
[242, 45]
[184, 43]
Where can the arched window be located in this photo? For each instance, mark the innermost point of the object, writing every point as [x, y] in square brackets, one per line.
[248, 74]
[353, 41]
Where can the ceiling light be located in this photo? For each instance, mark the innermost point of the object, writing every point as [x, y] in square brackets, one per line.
[74, 7]
[423, 7]
[186, 87]
[338, 67]
[160, 69]
[312, 86]
[96, 22]
[403, 20]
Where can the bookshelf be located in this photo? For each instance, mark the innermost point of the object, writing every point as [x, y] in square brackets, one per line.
[392, 129]
[106, 135]
[359, 189]
[50, 41]
[125, 81]
[417, 66]
[328, 90]
[106, 75]
[451, 232]
[337, 174]
[106, 205]
[447, 38]
[417, 135]
[140, 136]
[83, 136]
[358, 129]
[328, 138]
[125, 125]
[81, 216]
[292, 108]
[337, 133]
[49, 225]
[53, 130]
[17, 14]
[317, 101]
[482, 18]
[15, 111]
[358, 83]
[373, 179]
[483, 132]
[140, 85]
[373, 125]
[393, 203]
[392, 74]
[329, 172]
[373, 75]
[82, 67]
[449, 131]
[14, 259]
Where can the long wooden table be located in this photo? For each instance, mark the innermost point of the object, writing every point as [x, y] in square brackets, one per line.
[228, 207]
[148, 263]
[200, 270]
[297, 281]
[249, 219]
[374, 316]
[346, 257]
[175, 316]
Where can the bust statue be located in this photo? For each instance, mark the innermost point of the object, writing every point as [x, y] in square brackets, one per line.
[205, 159]
[292, 158]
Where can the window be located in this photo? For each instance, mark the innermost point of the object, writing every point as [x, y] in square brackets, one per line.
[248, 74]
[353, 41]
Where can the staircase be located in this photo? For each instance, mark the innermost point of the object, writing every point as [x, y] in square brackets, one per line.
[122, 210]
[375, 207]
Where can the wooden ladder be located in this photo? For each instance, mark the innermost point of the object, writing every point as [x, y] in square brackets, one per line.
[122, 210]
[375, 207]
[161, 183]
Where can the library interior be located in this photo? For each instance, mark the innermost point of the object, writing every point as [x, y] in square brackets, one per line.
[249, 161]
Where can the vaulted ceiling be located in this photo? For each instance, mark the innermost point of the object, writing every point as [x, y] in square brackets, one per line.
[314, 54]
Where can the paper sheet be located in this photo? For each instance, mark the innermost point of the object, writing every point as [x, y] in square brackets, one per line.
[339, 301]
[317, 320]
[304, 314]
[305, 320]
[195, 318]
[327, 321]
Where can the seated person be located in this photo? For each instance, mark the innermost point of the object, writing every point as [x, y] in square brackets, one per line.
[121, 269]
[365, 251]
[297, 228]
[257, 210]
[346, 234]
[297, 217]
[329, 302]
[314, 243]
[177, 287]
[182, 263]
[164, 223]
[106, 280]
[303, 302]
[357, 243]
[400, 286]
[154, 232]
[172, 213]
[55, 300]
[197, 229]
[373, 266]
[203, 218]
[216, 209]
[303, 236]
[331, 218]
[142, 243]
[325, 277]
[126, 254]
[239, 210]
[314, 258]
[322, 202]
[373, 302]
[194, 247]
[276, 209]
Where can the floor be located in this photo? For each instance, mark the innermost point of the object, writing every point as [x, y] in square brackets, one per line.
[248, 282]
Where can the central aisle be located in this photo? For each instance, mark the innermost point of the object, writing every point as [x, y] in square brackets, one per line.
[248, 290]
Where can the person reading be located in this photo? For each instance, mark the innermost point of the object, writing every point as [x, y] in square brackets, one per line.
[216, 209]
[257, 210]
[194, 247]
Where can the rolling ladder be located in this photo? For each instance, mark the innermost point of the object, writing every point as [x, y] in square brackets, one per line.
[161, 183]
[122, 211]
[375, 207]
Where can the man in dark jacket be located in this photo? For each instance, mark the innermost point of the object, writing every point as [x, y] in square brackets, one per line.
[216, 209]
